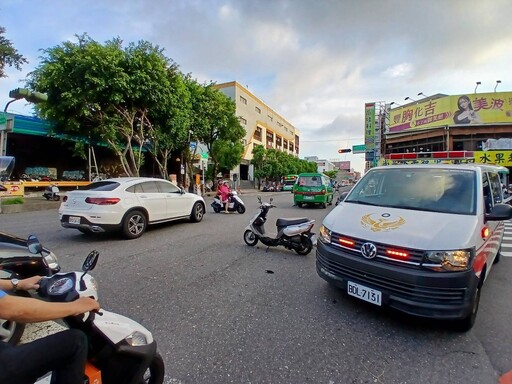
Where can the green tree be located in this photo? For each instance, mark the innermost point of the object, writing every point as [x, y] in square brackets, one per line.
[272, 165]
[331, 174]
[9, 56]
[122, 97]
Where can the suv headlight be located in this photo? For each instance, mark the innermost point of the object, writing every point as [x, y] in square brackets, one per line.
[325, 234]
[458, 260]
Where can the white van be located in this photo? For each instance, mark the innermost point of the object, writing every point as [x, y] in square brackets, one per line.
[419, 238]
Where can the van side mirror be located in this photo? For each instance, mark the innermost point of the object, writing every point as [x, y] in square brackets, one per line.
[500, 212]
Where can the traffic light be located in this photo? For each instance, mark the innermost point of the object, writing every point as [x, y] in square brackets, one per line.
[344, 150]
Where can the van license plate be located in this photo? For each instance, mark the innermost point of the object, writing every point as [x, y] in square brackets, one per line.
[364, 293]
[309, 197]
[74, 220]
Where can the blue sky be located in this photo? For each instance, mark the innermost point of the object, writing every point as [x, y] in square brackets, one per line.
[316, 62]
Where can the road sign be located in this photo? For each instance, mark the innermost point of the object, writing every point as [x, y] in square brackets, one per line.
[359, 148]
[193, 145]
[3, 118]
[204, 155]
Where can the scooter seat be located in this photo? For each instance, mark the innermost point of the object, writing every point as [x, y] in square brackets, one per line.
[291, 221]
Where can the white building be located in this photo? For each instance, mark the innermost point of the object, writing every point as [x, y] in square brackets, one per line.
[263, 126]
[322, 165]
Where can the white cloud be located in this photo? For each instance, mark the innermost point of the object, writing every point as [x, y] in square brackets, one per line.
[315, 63]
[399, 70]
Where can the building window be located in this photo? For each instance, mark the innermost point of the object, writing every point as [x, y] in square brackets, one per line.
[242, 120]
[257, 109]
[243, 100]
[257, 133]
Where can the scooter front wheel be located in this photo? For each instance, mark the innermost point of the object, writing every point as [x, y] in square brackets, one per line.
[250, 238]
[155, 373]
[240, 209]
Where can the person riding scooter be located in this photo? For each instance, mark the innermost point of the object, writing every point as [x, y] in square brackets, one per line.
[64, 353]
[224, 192]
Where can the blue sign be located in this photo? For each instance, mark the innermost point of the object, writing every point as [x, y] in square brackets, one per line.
[193, 145]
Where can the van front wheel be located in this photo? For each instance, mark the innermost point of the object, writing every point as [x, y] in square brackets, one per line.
[465, 324]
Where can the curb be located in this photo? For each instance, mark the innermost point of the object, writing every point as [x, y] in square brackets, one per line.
[29, 205]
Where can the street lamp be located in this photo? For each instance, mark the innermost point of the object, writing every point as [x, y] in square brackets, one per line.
[393, 103]
[496, 86]
[18, 94]
[409, 98]
[477, 84]
[422, 94]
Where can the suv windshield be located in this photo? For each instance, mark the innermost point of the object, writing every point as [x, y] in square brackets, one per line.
[437, 190]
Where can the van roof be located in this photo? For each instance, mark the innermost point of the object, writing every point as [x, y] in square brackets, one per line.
[470, 166]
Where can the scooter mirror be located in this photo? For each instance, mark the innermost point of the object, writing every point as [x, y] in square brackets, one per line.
[259, 199]
[34, 245]
[90, 261]
[271, 199]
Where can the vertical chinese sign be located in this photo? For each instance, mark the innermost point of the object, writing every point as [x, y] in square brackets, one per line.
[369, 131]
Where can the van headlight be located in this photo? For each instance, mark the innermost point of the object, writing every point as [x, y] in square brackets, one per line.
[458, 260]
[325, 234]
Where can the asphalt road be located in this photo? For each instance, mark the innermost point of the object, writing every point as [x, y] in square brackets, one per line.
[224, 312]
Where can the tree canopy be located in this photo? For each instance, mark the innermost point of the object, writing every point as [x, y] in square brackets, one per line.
[9, 56]
[271, 164]
[136, 101]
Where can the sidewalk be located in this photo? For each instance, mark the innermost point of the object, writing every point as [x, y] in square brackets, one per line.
[31, 203]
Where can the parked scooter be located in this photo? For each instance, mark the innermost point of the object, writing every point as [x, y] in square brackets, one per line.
[294, 234]
[121, 351]
[51, 192]
[235, 203]
[16, 261]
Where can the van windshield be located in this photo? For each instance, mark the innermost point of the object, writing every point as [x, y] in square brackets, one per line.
[435, 190]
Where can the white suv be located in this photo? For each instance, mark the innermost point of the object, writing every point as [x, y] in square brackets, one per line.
[128, 204]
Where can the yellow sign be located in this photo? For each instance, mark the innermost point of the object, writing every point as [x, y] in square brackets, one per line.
[495, 157]
[14, 188]
[478, 108]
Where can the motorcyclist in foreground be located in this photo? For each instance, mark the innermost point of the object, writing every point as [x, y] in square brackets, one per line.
[64, 353]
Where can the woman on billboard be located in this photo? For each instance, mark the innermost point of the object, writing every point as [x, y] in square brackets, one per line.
[465, 114]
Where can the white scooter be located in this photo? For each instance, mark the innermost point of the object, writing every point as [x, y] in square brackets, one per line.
[294, 234]
[121, 351]
[235, 203]
[52, 193]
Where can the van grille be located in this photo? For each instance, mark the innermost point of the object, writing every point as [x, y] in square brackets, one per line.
[414, 259]
[399, 288]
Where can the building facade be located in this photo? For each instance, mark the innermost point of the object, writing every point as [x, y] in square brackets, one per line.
[263, 126]
[478, 122]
